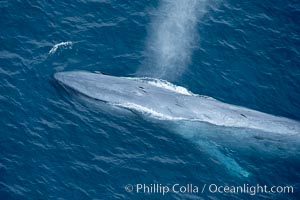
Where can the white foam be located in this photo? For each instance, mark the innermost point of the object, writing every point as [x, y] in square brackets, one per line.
[62, 44]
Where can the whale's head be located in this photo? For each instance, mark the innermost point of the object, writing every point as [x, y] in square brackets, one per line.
[97, 85]
[116, 90]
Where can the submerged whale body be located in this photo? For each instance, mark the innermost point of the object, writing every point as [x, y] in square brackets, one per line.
[164, 100]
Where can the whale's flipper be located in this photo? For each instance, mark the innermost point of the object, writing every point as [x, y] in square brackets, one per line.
[229, 163]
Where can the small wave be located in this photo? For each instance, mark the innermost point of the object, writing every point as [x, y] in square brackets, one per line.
[62, 44]
[148, 111]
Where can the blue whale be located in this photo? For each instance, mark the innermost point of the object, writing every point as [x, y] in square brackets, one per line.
[164, 100]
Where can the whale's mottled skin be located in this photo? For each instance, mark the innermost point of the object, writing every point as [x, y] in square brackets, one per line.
[149, 96]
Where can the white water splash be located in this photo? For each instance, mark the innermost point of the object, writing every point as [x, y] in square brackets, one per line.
[173, 36]
[62, 44]
[164, 84]
[170, 86]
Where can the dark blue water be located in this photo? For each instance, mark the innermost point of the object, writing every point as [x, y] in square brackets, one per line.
[58, 145]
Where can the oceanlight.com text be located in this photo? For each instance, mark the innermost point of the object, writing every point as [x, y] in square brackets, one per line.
[163, 189]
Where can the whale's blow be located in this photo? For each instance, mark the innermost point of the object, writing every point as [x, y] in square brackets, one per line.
[172, 37]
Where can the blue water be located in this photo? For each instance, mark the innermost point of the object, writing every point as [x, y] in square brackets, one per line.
[58, 145]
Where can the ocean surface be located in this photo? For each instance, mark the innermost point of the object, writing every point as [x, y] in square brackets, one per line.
[56, 144]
